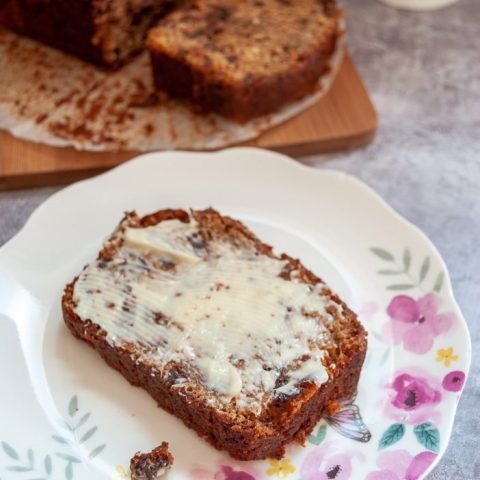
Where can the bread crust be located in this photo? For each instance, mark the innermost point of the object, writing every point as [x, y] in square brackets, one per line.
[286, 419]
[238, 100]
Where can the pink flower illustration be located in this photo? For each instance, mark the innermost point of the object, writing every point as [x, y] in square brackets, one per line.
[229, 473]
[228, 469]
[416, 323]
[400, 465]
[454, 381]
[326, 463]
[412, 397]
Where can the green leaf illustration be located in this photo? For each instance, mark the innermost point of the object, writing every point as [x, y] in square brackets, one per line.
[392, 434]
[28, 464]
[428, 436]
[390, 272]
[31, 457]
[69, 471]
[383, 254]
[60, 439]
[439, 282]
[88, 434]
[48, 464]
[10, 451]
[424, 269]
[96, 451]
[66, 425]
[18, 468]
[407, 258]
[68, 458]
[73, 406]
[48, 460]
[400, 286]
[82, 421]
[320, 435]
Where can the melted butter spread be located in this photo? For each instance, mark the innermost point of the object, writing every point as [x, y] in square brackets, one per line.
[170, 241]
[227, 314]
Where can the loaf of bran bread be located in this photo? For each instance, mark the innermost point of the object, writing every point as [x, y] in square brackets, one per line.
[246, 347]
[243, 59]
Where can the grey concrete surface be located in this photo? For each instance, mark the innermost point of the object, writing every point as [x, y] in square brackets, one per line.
[423, 73]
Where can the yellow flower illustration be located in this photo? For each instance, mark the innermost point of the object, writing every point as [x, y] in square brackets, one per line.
[281, 468]
[446, 356]
[121, 473]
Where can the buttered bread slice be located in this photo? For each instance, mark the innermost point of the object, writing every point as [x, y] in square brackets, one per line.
[248, 348]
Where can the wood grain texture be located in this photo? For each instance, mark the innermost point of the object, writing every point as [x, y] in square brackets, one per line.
[343, 119]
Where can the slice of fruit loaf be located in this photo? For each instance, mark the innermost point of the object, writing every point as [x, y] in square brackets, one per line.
[243, 59]
[246, 347]
[106, 32]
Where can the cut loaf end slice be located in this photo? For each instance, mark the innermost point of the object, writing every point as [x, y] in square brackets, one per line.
[246, 347]
[243, 59]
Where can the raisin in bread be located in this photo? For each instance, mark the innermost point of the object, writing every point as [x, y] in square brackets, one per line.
[243, 59]
[246, 347]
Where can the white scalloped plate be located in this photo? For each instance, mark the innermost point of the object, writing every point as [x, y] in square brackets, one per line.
[66, 414]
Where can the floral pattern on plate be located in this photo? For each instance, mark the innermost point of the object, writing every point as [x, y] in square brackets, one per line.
[74, 432]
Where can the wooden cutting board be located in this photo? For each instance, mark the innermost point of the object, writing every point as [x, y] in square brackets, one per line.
[343, 119]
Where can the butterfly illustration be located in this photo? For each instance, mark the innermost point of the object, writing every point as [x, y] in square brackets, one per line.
[348, 422]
